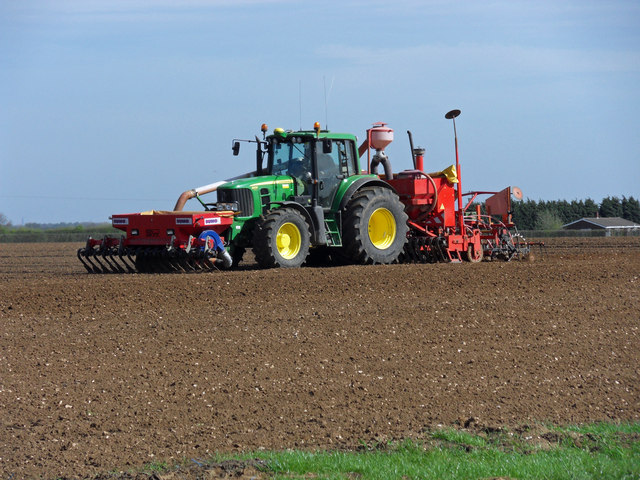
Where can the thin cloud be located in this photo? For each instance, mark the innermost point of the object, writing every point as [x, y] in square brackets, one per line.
[113, 11]
[479, 57]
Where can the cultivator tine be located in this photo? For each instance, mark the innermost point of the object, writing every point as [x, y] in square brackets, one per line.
[85, 256]
[207, 264]
[82, 256]
[117, 260]
[123, 252]
[172, 261]
[110, 255]
[102, 268]
[197, 262]
[110, 260]
[169, 257]
[96, 268]
[185, 264]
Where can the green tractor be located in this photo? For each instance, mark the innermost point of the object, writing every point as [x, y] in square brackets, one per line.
[310, 200]
[307, 201]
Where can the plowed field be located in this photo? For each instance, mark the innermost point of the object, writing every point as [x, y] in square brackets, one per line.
[108, 372]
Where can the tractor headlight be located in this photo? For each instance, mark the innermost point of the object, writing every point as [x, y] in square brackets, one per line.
[134, 231]
[233, 206]
[170, 231]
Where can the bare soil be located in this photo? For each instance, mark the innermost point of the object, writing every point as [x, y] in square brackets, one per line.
[105, 373]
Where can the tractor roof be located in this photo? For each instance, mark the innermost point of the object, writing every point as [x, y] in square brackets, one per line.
[312, 133]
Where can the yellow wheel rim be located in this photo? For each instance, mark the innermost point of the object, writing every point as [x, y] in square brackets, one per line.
[382, 228]
[288, 241]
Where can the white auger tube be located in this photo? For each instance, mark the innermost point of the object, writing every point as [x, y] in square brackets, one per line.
[212, 187]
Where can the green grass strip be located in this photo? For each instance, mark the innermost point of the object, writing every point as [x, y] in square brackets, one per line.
[595, 451]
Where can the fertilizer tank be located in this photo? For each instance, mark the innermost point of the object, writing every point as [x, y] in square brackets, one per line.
[378, 137]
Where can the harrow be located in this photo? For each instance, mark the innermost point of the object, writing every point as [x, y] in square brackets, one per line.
[109, 255]
[183, 243]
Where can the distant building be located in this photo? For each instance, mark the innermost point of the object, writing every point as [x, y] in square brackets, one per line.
[612, 225]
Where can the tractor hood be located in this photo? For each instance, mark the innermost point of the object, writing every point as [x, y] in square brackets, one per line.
[254, 183]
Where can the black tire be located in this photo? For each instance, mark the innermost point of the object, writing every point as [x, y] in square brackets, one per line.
[375, 226]
[236, 254]
[281, 239]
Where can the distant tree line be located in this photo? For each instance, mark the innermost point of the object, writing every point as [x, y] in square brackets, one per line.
[552, 215]
[527, 215]
[62, 227]
[5, 224]
[52, 232]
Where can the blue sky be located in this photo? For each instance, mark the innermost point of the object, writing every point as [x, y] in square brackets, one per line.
[119, 106]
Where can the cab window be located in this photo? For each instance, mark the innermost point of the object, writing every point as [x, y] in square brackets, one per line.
[345, 151]
[342, 158]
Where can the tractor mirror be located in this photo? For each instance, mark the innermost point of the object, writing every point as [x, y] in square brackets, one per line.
[236, 148]
[327, 145]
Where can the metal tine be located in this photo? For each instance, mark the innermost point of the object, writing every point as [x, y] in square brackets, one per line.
[96, 268]
[175, 263]
[121, 252]
[133, 255]
[130, 265]
[203, 261]
[195, 258]
[193, 264]
[115, 267]
[179, 262]
[186, 265]
[131, 261]
[104, 251]
[202, 264]
[166, 264]
[88, 255]
[211, 266]
[84, 263]
[102, 267]
[117, 259]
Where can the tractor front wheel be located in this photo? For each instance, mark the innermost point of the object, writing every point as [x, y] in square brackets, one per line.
[375, 226]
[281, 239]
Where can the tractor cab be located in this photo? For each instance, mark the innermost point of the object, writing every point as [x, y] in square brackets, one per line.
[316, 160]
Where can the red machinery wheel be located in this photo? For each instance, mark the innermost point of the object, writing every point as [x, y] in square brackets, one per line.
[474, 255]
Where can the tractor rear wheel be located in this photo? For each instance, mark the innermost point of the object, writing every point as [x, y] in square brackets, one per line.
[375, 226]
[281, 239]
